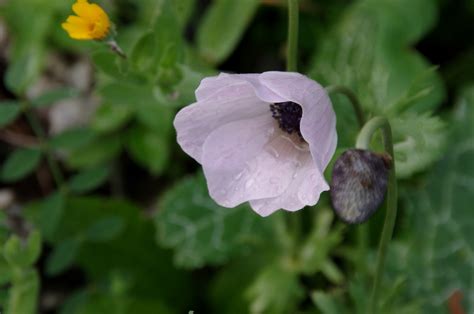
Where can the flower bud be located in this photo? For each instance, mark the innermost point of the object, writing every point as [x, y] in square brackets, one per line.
[359, 183]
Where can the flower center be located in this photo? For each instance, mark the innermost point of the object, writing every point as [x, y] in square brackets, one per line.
[288, 114]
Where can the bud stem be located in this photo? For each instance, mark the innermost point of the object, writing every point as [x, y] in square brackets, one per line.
[293, 20]
[363, 142]
[116, 48]
[352, 98]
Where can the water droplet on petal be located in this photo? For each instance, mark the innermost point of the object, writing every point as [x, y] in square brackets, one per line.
[249, 183]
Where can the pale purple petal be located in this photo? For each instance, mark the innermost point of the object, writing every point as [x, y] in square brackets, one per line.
[248, 159]
[318, 123]
[195, 122]
[245, 156]
[211, 85]
[304, 190]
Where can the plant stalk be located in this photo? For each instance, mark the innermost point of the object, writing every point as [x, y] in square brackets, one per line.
[352, 98]
[363, 142]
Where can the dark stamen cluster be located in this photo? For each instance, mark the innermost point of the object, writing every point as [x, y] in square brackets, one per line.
[288, 114]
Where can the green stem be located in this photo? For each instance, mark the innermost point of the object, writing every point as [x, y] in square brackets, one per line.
[292, 53]
[362, 230]
[363, 142]
[41, 135]
[352, 98]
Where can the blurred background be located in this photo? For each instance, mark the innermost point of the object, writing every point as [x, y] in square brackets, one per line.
[101, 211]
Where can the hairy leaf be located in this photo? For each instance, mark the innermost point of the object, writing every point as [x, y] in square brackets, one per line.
[200, 231]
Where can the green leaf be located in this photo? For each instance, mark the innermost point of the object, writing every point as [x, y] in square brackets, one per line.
[157, 117]
[327, 304]
[9, 110]
[110, 64]
[152, 51]
[62, 256]
[275, 290]
[5, 271]
[72, 139]
[50, 213]
[89, 179]
[184, 10]
[98, 151]
[23, 254]
[222, 27]
[369, 51]
[376, 63]
[128, 94]
[133, 253]
[200, 231]
[23, 71]
[23, 294]
[53, 96]
[315, 252]
[419, 140]
[440, 223]
[109, 118]
[105, 229]
[234, 279]
[148, 149]
[19, 164]
[97, 302]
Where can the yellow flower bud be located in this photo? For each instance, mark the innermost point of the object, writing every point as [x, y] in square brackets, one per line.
[90, 23]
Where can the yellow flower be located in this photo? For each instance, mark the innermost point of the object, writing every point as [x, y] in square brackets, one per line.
[91, 22]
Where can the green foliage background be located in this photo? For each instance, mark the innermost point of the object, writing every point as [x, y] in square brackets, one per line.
[133, 229]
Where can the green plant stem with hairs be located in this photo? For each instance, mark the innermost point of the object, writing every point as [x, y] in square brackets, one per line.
[363, 142]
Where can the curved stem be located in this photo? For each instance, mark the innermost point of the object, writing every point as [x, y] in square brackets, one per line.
[41, 135]
[352, 98]
[362, 230]
[292, 53]
[363, 142]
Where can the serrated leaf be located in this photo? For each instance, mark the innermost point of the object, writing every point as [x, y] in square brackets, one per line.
[133, 253]
[201, 232]
[314, 254]
[275, 290]
[53, 96]
[368, 51]
[89, 179]
[62, 256]
[419, 140]
[149, 149]
[150, 52]
[23, 255]
[9, 110]
[222, 27]
[50, 212]
[105, 229]
[19, 164]
[441, 224]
